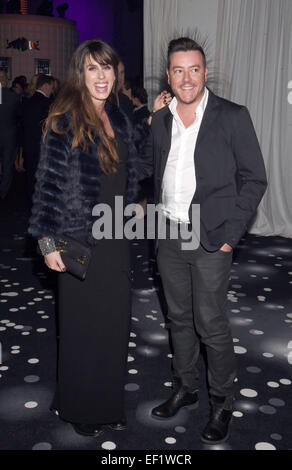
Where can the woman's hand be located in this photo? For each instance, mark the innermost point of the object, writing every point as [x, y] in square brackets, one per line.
[161, 100]
[54, 261]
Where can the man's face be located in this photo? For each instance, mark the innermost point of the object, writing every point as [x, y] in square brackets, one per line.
[47, 88]
[187, 76]
[3, 79]
[18, 89]
[121, 76]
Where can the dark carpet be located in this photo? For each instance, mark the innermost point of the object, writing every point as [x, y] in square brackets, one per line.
[260, 311]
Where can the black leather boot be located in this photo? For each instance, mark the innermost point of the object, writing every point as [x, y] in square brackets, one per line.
[181, 398]
[90, 430]
[118, 426]
[217, 429]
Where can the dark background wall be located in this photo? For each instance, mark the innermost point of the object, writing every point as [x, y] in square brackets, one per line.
[119, 22]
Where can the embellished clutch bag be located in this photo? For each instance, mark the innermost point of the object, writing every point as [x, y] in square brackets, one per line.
[75, 255]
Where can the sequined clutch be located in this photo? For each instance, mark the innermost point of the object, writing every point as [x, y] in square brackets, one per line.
[75, 255]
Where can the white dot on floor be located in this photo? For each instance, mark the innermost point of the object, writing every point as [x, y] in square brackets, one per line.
[33, 361]
[239, 350]
[132, 387]
[180, 429]
[41, 330]
[266, 354]
[170, 440]
[31, 378]
[108, 445]
[276, 437]
[256, 332]
[133, 371]
[285, 381]
[273, 384]
[264, 446]
[167, 384]
[248, 392]
[42, 446]
[31, 404]
[237, 414]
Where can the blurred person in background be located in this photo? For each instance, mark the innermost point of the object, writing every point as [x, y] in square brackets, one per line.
[35, 111]
[9, 118]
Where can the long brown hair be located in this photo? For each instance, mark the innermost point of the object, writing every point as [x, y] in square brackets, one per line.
[74, 99]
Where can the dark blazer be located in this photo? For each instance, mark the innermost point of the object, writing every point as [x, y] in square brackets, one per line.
[230, 172]
[141, 127]
[68, 182]
[35, 110]
[126, 105]
[9, 114]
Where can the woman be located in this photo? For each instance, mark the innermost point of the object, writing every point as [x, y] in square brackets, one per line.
[87, 158]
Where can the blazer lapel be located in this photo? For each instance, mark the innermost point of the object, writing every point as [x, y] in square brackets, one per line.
[211, 112]
[166, 141]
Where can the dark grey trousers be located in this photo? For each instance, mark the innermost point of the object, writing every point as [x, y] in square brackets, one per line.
[195, 285]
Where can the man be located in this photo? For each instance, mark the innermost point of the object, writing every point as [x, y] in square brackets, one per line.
[205, 152]
[35, 111]
[9, 117]
[124, 102]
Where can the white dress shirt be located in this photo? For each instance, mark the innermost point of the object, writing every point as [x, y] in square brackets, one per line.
[179, 179]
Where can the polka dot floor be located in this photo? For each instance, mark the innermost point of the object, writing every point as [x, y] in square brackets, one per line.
[260, 312]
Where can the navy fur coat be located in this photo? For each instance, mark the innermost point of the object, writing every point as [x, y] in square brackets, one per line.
[68, 182]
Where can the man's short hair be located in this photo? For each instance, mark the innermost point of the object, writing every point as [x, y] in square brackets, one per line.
[184, 45]
[140, 93]
[42, 79]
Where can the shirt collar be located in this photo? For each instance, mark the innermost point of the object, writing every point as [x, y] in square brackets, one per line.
[42, 93]
[139, 107]
[200, 109]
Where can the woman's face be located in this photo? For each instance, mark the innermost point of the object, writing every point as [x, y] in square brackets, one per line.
[99, 79]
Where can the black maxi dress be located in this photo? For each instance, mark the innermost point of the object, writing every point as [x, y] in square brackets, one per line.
[94, 320]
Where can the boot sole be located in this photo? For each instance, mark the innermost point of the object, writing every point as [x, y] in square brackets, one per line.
[83, 433]
[194, 406]
[220, 441]
[213, 443]
[112, 428]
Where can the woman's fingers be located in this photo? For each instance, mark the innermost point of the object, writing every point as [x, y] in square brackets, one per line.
[55, 262]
